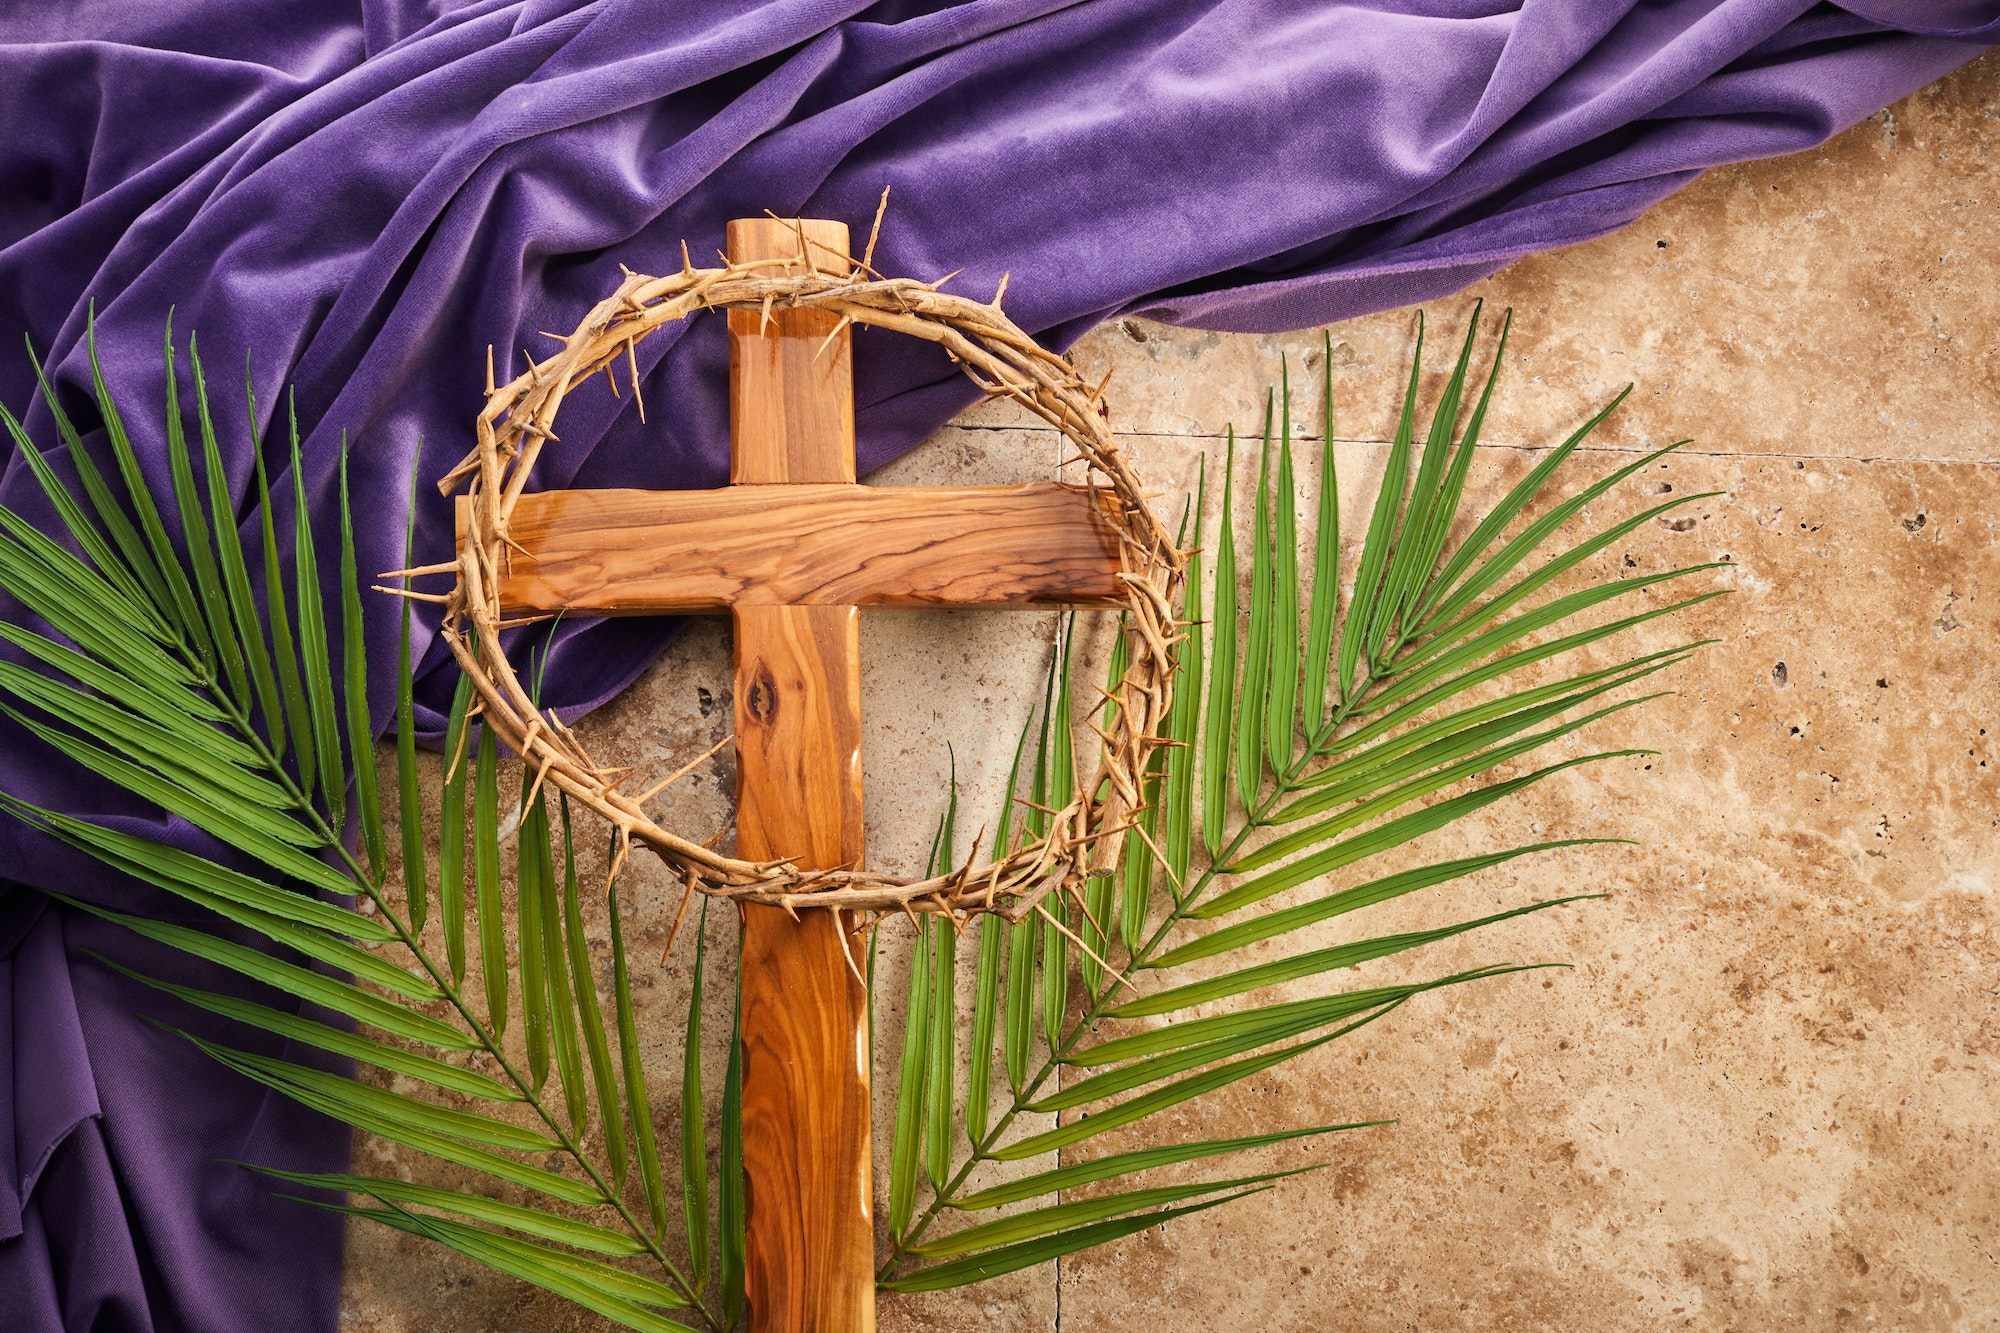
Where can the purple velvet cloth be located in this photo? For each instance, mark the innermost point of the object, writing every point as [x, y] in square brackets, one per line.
[362, 198]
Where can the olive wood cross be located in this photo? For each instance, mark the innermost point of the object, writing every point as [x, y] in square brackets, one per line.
[792, 549]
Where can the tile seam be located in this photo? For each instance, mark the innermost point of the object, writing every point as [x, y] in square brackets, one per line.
[1525, 448]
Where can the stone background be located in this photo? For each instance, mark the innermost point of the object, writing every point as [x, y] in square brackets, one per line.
[1764, 1097]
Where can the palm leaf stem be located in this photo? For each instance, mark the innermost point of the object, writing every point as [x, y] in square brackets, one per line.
[1099, 1006]
[557, 1128]
[237, 717]
[1320, 745]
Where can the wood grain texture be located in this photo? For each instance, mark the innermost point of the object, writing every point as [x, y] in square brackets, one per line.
[791, 391]
[806, 1143]
[805, 1038]
[798, 734]
[647, 552]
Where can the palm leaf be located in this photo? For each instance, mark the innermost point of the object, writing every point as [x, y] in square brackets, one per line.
[1282, 708]
[360, 729]
[304, 983]
[1022, 936]
[338, 1040]
[694, 1141]
[564, 1035]
[1065, 1216]
[731, 1209]
[243, 628]
[995, 937]
[486, 878]
[532, 1221]
[208, 587]
[86, 534]
[314, 658]
[408, 790]
[1012, 1258]
[357, 1102]
[1271, 925]
[1252, 701]
[39, 575]
[1157, 1101]
[178, 602]
[636, 1101]
[1183, 730]
[1221, 684]
[1102, 892]
[1384, 837]
[941, 1061]
[1496, 521]
[1452, 489]
[1316, 962]
[1131, 1163]
[906, 1147]
[1326, 565]
[1359, 630]
[603, 1074]
[443, 1146]
[284, 651]
[451, 829]
[1060, 770]
[128, 566]
[598, 1287]
[531, 923]
[1410, 562]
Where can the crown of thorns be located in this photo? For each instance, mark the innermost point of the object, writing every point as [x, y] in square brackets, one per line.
[1083, 839]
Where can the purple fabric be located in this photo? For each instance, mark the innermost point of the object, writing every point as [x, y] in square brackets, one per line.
[363, 198]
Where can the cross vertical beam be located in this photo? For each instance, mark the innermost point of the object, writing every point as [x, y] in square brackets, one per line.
[804, 1016]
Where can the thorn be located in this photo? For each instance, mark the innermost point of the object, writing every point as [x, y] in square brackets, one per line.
[868, 256]
[418, 571]
[632, 360]
[412, 594]
[682, 771]
[1115, 974]
[1002, 289]
[489, 370]
[845, 322]
[848, 953]
[679, 917]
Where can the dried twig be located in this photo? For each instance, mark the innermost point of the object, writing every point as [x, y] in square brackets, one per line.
[519, 418]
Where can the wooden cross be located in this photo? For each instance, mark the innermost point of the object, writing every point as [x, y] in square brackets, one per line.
[792, 549]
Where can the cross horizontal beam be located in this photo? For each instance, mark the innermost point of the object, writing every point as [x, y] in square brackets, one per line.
[627, 552]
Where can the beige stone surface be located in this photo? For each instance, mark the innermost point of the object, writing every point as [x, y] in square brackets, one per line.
[1764, 1096]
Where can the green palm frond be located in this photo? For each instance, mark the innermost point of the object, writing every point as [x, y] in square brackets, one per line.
[1310, 735]
[159, 676]
[1374, 736]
